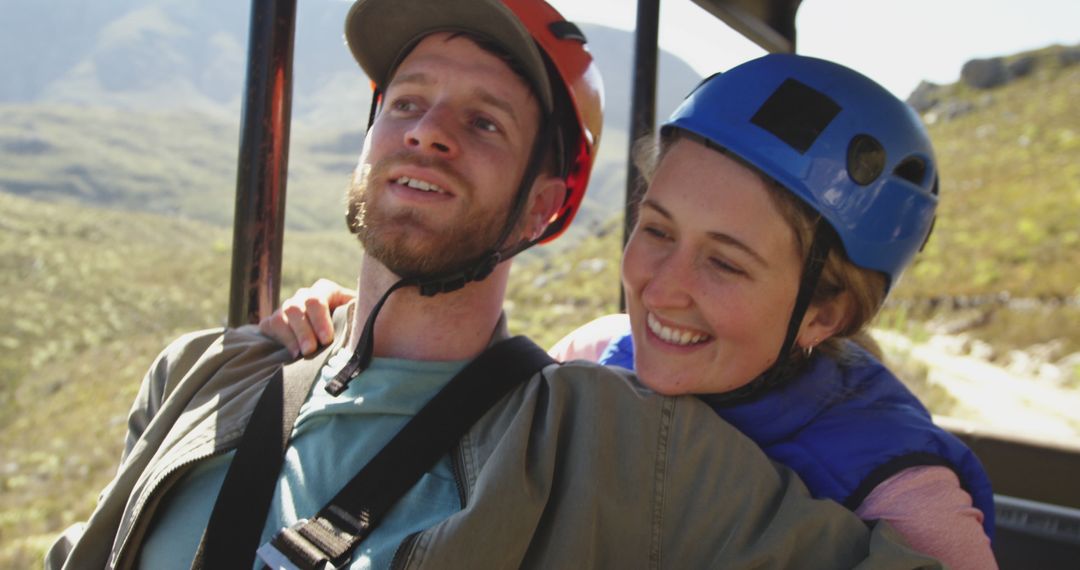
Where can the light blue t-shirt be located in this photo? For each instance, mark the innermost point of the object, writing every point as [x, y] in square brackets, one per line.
[334, 437]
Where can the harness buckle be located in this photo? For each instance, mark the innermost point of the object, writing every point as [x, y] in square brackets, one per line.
[289, 549]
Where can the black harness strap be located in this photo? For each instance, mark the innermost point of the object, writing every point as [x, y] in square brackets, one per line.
[330, 537]
[236, 523]
[229, 541]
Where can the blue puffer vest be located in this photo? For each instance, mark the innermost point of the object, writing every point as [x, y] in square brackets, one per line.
[845, 429]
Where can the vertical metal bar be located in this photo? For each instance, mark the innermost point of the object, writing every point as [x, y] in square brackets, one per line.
[258, 226]
[643, 105]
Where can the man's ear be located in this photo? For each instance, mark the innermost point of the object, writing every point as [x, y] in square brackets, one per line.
[825, 319]
[548, 194]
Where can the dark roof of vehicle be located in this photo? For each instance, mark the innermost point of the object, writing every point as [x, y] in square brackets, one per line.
[768, 23]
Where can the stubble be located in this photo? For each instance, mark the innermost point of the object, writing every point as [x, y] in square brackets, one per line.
[406, 241]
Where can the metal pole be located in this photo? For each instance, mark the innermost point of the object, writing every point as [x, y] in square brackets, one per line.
[643, 106]
[258, 226]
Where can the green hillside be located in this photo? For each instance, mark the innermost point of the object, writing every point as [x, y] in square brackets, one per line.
[98, 272]
[91, 295]
[184, 164]
[1010, 172]
[1005, 252]
[174, 163]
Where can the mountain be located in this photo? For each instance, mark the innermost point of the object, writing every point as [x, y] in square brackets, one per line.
[118, 144]
[92, 291]
[1002, 266]
[1009, 159]
[127, 53]
[191, 54]
[127, 78]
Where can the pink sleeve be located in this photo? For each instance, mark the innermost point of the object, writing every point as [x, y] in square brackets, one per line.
[930, 509]
[588, 341]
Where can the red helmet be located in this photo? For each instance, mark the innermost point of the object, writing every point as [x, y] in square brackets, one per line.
[564, 45]
[381, 32]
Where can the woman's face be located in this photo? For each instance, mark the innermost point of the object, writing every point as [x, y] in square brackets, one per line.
[711, 272]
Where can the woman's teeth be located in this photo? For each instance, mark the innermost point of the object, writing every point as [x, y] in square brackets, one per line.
[674, 336]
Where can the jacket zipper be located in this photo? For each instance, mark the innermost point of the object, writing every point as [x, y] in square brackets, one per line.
[405, 549]
[139, 522]
[457, 466]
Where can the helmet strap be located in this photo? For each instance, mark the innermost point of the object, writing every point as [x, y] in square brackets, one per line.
[376, 98]
[480, 267]
[365, 349]
[824, 238]
[475, 270]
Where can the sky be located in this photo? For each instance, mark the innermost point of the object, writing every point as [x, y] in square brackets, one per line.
[898, 43]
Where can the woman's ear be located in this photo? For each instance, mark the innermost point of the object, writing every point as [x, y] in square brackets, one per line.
[547, 197]
[825, 319]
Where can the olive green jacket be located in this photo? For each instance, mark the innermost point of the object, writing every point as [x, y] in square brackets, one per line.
[579, 467]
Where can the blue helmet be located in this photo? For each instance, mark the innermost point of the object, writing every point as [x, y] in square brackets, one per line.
[839, 141]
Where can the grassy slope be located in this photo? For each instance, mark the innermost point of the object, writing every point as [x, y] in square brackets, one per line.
[184, 163]
[1010, 192]
[559, 287]
[164, 163]
[178, 163]
[92, 294]
[1010, 187]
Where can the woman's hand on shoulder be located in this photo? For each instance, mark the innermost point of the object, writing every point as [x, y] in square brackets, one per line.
[303, 322]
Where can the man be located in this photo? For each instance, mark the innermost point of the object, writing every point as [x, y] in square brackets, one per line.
[487, 129]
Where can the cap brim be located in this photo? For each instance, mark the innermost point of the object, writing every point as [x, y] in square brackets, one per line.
[380, 32]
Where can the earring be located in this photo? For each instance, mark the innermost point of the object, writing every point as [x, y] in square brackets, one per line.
[809, 351]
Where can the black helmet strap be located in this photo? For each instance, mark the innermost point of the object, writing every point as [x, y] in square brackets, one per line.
[474, 270]
[824, 238]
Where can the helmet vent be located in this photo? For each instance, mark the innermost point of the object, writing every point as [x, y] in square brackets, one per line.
[567, 31]
[912, 169]
[796, 114]
[865, 159]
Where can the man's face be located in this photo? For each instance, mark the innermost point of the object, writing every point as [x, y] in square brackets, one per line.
[443, 159]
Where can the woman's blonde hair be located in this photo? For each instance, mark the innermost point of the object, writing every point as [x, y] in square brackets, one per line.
[864, 288]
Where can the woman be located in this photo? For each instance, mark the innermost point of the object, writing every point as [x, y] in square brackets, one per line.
[789, 195]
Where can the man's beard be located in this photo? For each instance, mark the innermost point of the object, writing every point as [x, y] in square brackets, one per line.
[424, 252]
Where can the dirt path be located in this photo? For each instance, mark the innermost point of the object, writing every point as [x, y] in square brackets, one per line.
[991, 395]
